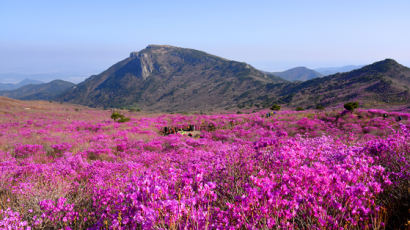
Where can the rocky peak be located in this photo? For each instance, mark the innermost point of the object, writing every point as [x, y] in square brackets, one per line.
[153, 49]
[153, 46]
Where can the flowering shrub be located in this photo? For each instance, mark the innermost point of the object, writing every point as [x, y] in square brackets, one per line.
[23, 151]
[304, 170]
[61, 148]
[57, 213]
[12, 220]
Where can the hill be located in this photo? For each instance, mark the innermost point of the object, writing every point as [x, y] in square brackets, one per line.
[45, 91]
[383, 82]
[169, 78]
[11, 86]
[298, 74]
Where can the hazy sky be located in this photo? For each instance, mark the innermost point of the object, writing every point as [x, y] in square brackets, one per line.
[83, 37]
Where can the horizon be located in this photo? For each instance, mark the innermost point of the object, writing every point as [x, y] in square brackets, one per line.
[75, 39]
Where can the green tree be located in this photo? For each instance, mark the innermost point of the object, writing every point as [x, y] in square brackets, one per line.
[275, 107]
[351, 106]
[118, 117]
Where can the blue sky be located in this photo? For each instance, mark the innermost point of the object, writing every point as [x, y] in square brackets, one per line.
[80, 38]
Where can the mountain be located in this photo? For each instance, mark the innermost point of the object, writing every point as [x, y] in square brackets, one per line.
[11, 86]
[73, 76]
[298, 74]
[168, 78]
[333, 70]
[384, 82]
[45, 91]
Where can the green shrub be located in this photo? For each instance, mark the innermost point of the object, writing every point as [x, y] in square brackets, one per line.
[275, 107]
[351, 106]
[118, 117]
[299, 109]
[124, 119]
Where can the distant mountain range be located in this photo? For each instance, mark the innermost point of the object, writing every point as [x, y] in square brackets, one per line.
[167, 78]
[298, 74]
[44, 91]
[11, 86]
[43, 77]
[332, 70]
[170, 79]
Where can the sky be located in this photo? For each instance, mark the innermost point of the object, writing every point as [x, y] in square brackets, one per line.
[74, 39]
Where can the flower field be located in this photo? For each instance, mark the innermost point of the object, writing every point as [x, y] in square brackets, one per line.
[63, 167]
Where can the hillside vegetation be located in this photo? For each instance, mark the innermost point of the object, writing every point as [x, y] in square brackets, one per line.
[72, 167]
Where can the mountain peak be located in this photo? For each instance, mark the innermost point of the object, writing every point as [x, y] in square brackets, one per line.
[385, 65]
[390, 61]
[299, 68]
[299, 73]
[153, 48]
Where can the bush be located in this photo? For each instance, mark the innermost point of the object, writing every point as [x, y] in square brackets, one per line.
[124, 119]
[118, 117]
[299, 109]
[275, 107]
[351, 106]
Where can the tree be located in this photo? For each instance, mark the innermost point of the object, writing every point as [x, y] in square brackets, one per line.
[275, 107]
[351, 106]
[118, 117]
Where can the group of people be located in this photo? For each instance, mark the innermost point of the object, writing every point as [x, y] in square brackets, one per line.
[172, 130]
[269, 114]
[398, 118]
[187, 129]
